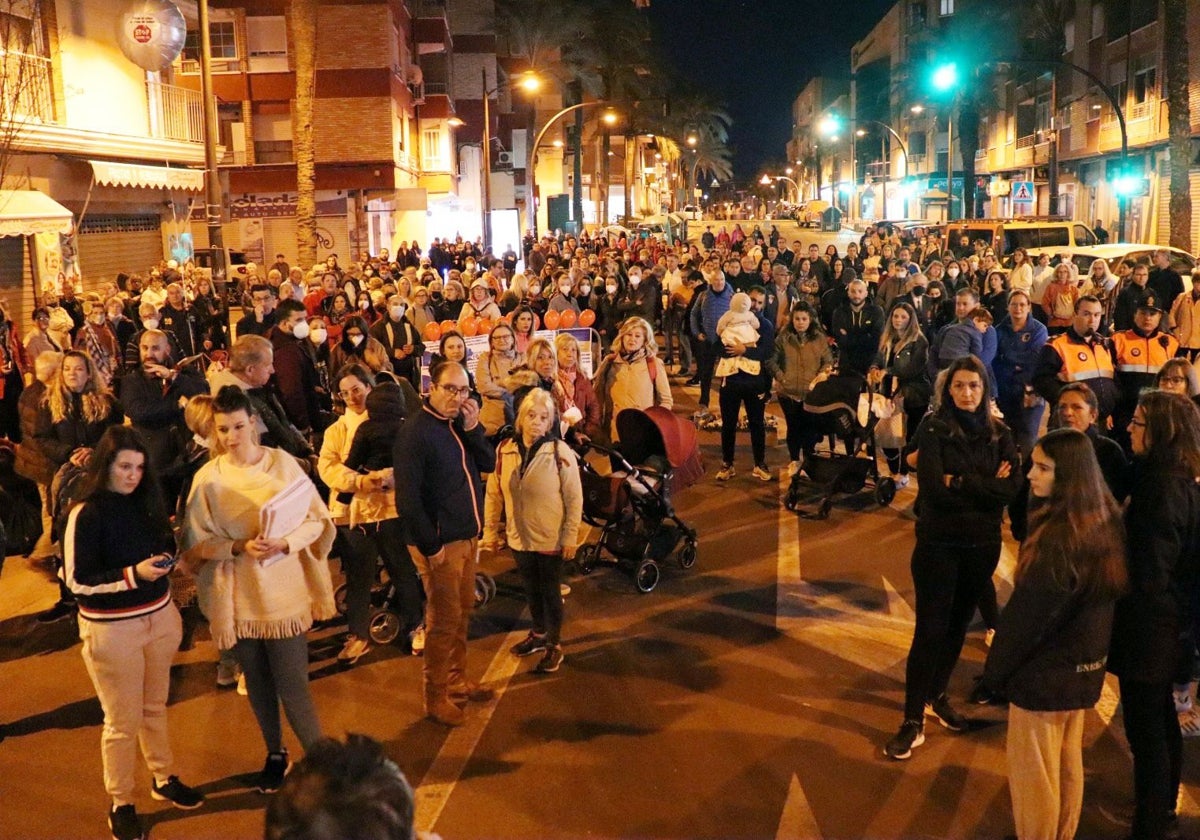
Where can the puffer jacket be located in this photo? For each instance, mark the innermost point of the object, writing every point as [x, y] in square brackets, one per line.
[539, 493]
[909, 368]
[798, 360]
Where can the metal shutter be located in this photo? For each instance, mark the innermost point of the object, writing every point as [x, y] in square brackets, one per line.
[16, 281]
[112, 245]
[1163, 222]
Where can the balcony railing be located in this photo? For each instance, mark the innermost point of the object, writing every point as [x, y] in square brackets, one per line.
[176, 113]
[1027, 141]
[26, 87]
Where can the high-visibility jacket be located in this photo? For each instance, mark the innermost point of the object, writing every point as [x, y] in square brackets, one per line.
[1143, 354]
[1083, 360]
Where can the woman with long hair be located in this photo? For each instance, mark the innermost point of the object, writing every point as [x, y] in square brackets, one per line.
[900, 369]
[1153, 627]
[1178, 376]
[358, 345]
[260, 590]
[576, 388]
[968, 471]
[632, 375]
[1021, 274]
[802, 352]
[491, 372]
[524, 323]
[118, 550]
[1049, 651]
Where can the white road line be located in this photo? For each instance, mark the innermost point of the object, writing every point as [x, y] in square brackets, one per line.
[788, 582]
[897, 606]
[797, 820]
[447, 768]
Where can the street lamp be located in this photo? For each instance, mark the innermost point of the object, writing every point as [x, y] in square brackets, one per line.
[609, 118]
[945, 80]
[767, 180]
[530, 83]
[886, 160]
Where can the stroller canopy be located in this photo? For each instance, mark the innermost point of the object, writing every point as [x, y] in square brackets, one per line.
[655, 431]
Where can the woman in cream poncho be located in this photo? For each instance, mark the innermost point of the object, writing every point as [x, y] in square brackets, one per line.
[258, 605]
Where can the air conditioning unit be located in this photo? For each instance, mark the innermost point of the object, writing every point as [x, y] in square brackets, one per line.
[505, 158]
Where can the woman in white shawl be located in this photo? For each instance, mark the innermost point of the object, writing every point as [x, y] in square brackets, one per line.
[261, 593]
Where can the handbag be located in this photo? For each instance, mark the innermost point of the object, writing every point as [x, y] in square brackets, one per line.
[890, 430]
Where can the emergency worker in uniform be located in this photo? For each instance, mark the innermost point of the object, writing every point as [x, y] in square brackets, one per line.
[1080, 354]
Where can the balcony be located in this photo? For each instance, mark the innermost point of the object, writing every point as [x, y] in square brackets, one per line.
[27, 86]
[176, 113]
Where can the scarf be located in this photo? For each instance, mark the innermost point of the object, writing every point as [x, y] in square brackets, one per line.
[566, 379]
[634, 357]
[100, 356]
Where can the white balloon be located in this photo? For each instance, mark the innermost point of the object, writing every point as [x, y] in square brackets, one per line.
[151, 33]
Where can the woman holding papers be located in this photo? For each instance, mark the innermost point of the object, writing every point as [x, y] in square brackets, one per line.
[258, 535]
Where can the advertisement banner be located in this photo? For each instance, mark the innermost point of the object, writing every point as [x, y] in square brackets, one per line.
[280, 205]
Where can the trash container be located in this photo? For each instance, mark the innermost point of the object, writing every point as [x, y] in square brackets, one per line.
[831, 220]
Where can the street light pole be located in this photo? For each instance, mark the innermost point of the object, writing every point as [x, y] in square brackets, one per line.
[486, 163]
[212, 179]
[537, 142]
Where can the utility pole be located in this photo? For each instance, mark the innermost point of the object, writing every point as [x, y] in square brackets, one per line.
[212, 179]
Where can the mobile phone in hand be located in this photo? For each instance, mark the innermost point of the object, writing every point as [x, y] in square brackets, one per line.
[166, 561]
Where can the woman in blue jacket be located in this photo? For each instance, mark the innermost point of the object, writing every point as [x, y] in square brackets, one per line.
[1050, 648]
[1020, 338]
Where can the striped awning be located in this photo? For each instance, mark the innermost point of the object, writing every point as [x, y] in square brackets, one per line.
[152, 177]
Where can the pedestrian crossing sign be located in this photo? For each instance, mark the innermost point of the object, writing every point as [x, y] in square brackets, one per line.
[1022, 192]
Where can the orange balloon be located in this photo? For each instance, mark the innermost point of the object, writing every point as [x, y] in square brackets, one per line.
[483, 326]
[470, 326]
[432, 332]
[449, 325]
[507, 318]
[586, 318]
[552, 320]
[566, 319]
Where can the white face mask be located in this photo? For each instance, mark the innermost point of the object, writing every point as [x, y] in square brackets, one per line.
[318, 336]
[535, 290]
[566, 290]
[300, 330]
[611, 288]
[364, 304]
[97, 319]
[953, 272]
[356, 340]
[635, 280]
[397, 312]
[150, 323]
[585, 289]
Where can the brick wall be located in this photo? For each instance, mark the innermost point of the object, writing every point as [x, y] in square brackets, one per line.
[353, 36]
[349, 129]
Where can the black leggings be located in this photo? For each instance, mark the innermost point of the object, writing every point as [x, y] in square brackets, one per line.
[735, 392]
[542, 574]
[948, 580]
[359, 548]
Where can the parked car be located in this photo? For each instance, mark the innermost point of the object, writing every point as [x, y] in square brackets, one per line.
[692, 213]
[1141, 252]
[1033, 233]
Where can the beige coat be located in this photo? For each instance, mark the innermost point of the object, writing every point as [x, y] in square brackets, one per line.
[1185, 321]
[491, 371]
[366, 506]
[631, 387]
[543, 507]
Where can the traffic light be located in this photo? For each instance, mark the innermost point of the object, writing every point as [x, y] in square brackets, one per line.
[945, 77]
[1127, 178]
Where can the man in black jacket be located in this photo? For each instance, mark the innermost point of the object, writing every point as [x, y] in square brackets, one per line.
[439, 455]
[857, 325]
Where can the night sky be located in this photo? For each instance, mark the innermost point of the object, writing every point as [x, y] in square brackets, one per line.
[757, 55]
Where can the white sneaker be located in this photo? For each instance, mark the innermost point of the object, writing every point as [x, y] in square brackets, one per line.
[354, 650]
[564, 589]
[761, 473]
[241, 687]
[901, 482]
[792, 468]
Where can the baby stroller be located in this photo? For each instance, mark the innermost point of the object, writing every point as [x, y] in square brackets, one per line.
[657, 456]
[835, 402]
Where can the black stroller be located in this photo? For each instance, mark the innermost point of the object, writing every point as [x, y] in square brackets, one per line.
[835, 403]
[658, 456]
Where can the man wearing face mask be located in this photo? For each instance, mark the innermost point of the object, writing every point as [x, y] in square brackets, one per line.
[296, 367]
[402, 341]
[639, 298]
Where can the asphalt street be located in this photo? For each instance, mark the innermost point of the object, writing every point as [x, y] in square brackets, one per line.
[746, 697]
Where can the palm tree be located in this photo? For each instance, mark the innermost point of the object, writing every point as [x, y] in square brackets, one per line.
[1175, 59]
[302, 21]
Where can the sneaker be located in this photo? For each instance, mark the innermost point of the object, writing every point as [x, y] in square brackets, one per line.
[124, 823]
[692, 382]
[946, 715]
[901, 481]
[227, 673]
[551, 661]
[1189, 723]
[241, 685]
[177, 793]
[989, 636]
[61, 610]
[354, 650]
[1183, 700]
[727, 472]
[564, 589]
[911, 734]
[533, 643]
[701, 414]
[793, 467]
[273, 772]
[416, 640]
[761, 472]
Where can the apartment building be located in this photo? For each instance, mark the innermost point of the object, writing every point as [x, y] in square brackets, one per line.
[814, 152]
[110, 149]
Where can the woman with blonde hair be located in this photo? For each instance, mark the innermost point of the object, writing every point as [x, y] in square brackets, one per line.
[576, 388]
[899, 369]
[631, 376]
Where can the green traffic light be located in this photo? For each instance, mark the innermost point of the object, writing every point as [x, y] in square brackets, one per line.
[945, 77]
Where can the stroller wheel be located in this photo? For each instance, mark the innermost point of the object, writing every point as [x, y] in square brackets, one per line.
[485, 588]
[885, 491]
[687, 557]
[585, 558]
[646, 576]
[384, 627]
[339, 599]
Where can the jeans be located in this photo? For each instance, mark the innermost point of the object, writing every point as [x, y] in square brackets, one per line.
[359, 547]
[277, 671]
[1024, 423]
[734, 393]
[707, 353]
[450, 592]
[129, 662]
[1152, 730]
[802, 432]
[542, 574]
[948, 580]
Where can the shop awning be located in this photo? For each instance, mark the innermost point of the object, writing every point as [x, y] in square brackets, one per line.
[153, 177]
[28, 212]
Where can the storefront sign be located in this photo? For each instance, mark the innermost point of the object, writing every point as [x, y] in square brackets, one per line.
[280, 205]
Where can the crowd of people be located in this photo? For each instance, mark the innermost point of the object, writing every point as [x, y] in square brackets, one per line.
[146, 400]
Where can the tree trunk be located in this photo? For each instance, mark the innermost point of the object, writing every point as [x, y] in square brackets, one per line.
[1175, 57]
[302, 17]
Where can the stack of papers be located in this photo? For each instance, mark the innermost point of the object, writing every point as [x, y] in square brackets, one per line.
[284, 513]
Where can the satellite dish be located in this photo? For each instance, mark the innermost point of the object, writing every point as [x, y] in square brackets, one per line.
[151, 33]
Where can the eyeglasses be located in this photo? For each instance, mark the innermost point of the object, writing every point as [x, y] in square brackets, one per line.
[1141, 424]
[1174, 380]
[455, 390]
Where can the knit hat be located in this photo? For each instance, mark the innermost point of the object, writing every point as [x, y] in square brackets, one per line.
[740, 302]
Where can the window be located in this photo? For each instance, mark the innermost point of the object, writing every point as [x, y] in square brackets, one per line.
[265, 36]
[946, 8]
[431, 150]
[19, 34]
[1097, 20]
[1145, 80]
[1069, 36]
[916, 14]
[223, 41]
